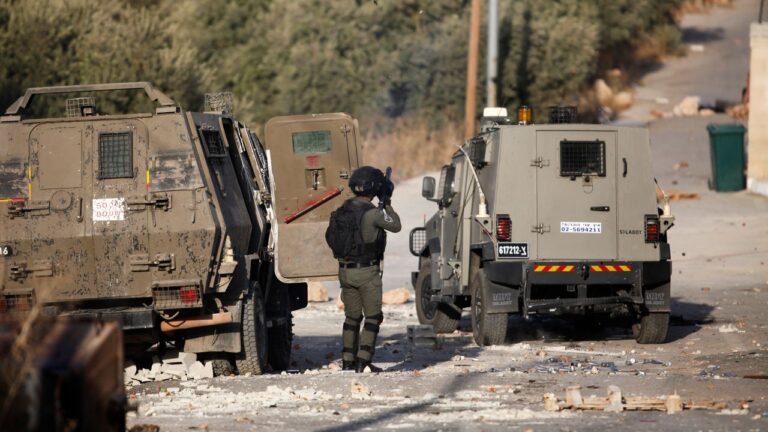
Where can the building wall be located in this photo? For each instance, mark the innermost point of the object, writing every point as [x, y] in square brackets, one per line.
[757, 167]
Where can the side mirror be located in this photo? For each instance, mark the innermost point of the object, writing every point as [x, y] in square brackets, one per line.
[428, 188]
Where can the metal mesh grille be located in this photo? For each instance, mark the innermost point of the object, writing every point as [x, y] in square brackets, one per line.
[579, 158]
[170, 298]
[213, 144]
[115, 155]
[75, 105]
[222, 102]
[418, 240]
[477, 152]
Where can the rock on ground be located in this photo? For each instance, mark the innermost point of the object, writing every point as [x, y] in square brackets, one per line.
[317, 292]
[396, 296]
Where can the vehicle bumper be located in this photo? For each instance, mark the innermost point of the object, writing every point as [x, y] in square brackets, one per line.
[552, 286]
[129, 318]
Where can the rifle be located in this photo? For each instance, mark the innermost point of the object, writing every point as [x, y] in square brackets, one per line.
[384, 193]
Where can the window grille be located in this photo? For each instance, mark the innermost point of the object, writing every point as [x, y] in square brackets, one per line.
[115, 155]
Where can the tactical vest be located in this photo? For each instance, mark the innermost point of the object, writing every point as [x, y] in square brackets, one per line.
[345, 235]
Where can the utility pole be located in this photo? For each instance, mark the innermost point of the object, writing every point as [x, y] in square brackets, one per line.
[492, 63]
[471, 94]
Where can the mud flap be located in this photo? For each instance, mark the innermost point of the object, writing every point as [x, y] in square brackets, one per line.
[501, 298]
[656, 286]
[222, 338]
[657, 298]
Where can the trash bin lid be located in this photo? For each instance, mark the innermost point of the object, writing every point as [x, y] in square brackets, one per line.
[729, 128]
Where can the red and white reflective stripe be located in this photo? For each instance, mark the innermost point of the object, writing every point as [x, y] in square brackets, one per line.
[554, 268]
[611, 268]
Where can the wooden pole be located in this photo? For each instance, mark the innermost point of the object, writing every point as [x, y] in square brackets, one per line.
[471, 94]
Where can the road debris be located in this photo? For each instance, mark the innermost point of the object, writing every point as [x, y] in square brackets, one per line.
[317, 292]
[616, 402]
[730, 328]
[183, 366]
[396, 296]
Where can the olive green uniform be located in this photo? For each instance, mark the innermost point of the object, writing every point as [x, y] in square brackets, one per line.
[361, 289]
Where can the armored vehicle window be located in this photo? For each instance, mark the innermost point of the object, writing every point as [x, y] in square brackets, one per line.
[312, 142]
[115, 155]
[578, 158]
[212, 140]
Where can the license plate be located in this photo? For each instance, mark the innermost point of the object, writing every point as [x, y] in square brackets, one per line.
[581, 227]
[6, 251]
[513, 250]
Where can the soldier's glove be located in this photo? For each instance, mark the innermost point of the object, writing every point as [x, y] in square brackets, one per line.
[388, 188]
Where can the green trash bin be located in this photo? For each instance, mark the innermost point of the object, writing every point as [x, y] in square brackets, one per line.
[726, 151]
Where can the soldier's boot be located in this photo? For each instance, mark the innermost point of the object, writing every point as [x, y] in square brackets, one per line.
[368, 343]
[350, 337]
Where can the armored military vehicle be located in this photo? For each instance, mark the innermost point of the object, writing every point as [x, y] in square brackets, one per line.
[545, 219]
[183, 226]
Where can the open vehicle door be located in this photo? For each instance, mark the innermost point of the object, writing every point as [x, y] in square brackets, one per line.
[312, 158]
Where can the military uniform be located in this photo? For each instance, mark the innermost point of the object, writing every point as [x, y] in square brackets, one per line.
[360, 279]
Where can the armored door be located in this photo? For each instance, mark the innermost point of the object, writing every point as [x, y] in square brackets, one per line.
[312, 158]
[576, 194]
[52, 252]
[119, 210]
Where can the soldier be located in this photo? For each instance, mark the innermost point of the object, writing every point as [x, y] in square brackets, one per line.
[356, 234]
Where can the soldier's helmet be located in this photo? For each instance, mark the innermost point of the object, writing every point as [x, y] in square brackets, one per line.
[366, 181]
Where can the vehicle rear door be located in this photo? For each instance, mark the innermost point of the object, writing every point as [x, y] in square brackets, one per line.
[576, 190]
[312, 158]
[120, 210]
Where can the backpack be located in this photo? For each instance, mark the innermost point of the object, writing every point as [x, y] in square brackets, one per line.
[344, 235]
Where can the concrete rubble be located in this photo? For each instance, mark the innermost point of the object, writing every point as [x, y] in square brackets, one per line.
[182, 366]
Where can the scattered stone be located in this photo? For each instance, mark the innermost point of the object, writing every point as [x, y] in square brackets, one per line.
[689, 107]
[339, 303]
[614, 399]
[674, 404]
[680, 165]
[396, 296]
[730, 328]
[550, 402]
[697, 48]
[187, 359]
[317, 292]
[200, 371]
[359, 390]
[706, 112]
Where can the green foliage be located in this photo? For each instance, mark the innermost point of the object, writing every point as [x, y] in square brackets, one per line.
[382, 60]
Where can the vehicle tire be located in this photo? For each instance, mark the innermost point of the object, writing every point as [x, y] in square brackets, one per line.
[222, 367]
[280, 343]
[252, 358]
[487, 329]
[652, 328]
[443, 317]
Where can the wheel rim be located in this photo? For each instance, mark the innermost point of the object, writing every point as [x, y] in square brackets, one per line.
[428, 307]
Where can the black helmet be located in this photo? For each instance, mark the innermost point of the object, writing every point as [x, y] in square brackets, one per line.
[366, 181]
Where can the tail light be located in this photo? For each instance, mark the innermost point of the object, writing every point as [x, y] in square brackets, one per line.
[503, 228]
[189, 295]
[651, 229]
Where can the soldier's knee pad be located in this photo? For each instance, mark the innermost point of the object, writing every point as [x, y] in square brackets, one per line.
[352, 322]
[373, 322]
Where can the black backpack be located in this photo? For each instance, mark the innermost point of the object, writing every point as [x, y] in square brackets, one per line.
[344, 234]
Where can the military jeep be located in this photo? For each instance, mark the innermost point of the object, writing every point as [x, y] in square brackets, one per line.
[182, 226]
[544, 219]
